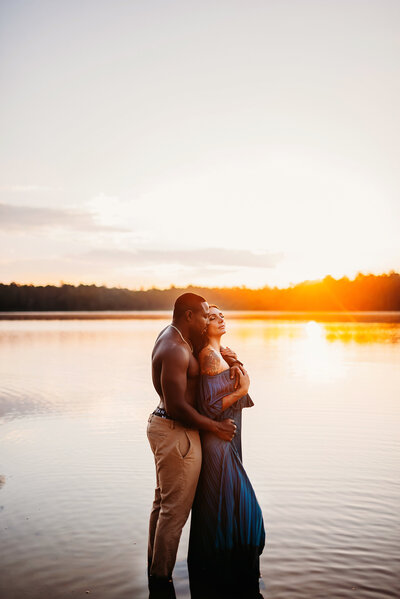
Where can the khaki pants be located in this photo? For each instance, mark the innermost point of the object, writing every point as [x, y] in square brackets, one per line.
[177, 456]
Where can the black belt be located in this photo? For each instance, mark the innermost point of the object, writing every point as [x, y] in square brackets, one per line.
[162, 413]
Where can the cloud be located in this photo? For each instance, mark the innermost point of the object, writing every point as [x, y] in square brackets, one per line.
[195, 258]
[23, 218]
[28, 188]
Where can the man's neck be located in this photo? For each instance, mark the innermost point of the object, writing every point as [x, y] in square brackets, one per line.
[183, 328]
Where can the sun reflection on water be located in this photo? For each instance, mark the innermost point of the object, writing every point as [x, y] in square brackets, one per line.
[315, 358]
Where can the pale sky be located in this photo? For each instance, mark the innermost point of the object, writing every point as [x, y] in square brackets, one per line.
[210, 142]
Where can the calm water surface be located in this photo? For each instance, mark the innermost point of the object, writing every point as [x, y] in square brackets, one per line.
[321, 446]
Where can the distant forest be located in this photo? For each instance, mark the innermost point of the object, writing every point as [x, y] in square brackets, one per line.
[365, 292]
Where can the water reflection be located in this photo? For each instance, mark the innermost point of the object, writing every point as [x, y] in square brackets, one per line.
[321, 447]
[363, 333]
[316, 359]
[204, 589]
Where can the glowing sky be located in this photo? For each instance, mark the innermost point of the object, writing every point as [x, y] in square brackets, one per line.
[217, 143]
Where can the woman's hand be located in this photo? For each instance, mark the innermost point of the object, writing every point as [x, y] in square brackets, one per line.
[240, 391]
[235, 373]
[235, 366]
[244, 382]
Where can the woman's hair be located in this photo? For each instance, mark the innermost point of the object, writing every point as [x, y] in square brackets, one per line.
[200, 344]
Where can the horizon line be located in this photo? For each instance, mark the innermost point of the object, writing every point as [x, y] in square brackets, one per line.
[191, 285]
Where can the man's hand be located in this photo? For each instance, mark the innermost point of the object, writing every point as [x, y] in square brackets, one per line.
[225, 429]
[228, 354]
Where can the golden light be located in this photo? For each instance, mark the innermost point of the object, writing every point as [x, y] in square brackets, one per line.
[316, 359]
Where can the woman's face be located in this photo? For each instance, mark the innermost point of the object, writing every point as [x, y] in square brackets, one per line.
[216, 323]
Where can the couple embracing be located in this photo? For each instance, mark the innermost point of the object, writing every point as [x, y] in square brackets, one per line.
[202, 387]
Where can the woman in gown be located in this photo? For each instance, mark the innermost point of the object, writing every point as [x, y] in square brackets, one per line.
[227, 533]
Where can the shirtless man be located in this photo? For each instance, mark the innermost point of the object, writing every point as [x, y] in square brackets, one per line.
[173, 433]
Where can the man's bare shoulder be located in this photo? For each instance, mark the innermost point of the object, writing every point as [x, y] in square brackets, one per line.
[210, 361]
[167, 348]
[161, 333]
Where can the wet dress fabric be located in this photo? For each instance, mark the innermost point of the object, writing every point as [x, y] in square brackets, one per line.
[227, 532]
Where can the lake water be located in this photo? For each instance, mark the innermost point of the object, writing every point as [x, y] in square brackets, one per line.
[321, 447]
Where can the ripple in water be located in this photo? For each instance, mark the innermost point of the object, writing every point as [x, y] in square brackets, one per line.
[321, 447]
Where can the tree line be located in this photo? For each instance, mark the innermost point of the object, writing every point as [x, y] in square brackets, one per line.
[364, 292]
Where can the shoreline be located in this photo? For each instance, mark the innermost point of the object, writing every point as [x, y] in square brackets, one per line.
[382, 316]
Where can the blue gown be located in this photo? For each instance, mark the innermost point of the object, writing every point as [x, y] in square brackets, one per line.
[227, 532]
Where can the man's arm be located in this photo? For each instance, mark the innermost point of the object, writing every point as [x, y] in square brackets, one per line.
[174, 383]
[229, 356]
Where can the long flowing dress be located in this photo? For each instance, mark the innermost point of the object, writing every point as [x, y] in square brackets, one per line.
[227, 533]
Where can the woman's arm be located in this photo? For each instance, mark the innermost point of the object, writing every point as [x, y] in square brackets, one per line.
[236, 366]
[211, 364]
[240, 392]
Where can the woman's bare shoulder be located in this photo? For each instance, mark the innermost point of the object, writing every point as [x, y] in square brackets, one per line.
[210, 361]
